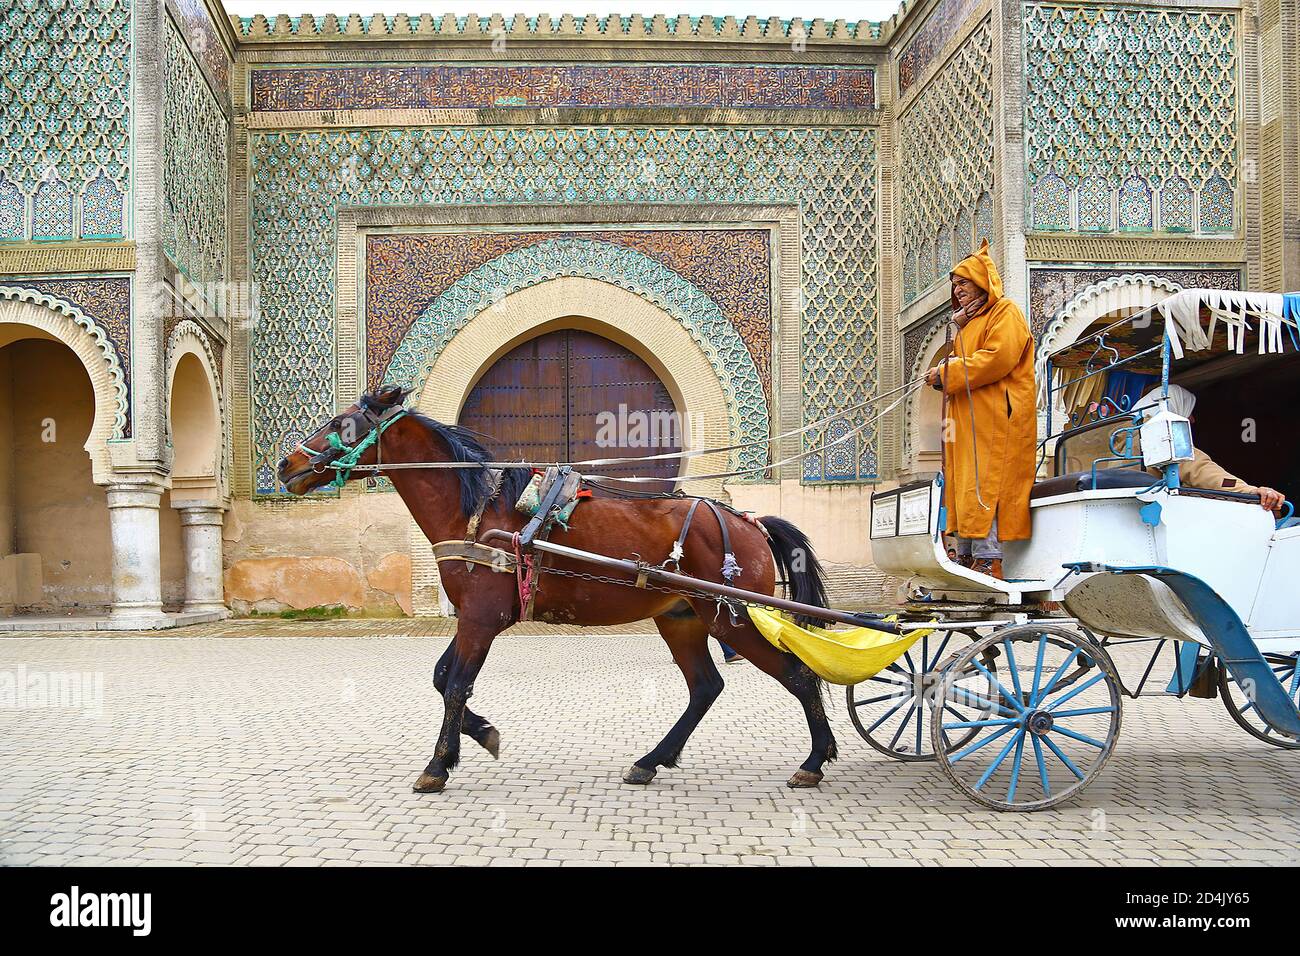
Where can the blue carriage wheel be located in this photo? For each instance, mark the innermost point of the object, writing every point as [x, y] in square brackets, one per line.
[1242, 709]
[1045, 728]
[891, 711]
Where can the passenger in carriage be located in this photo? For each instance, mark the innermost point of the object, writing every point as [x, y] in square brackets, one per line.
[990, 427]
[1201, 472]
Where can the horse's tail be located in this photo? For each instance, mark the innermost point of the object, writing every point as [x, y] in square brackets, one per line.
[805, 577]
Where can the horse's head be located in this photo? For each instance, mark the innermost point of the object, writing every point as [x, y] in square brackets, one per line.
[348, 439]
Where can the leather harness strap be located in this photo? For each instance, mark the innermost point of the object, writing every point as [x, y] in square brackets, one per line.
[471, 529]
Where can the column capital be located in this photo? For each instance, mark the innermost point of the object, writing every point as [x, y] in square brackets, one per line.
[134, 494]
[200, 513]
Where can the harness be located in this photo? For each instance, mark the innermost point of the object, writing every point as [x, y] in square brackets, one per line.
[342, 457]
[730, 569]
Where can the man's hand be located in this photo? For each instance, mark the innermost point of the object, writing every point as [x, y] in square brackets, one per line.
[1272, 500]
[933, 377]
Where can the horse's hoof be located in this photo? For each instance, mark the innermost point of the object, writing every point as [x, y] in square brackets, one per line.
[804, 778]
[638, 775]
[491, 742]
[428, 783]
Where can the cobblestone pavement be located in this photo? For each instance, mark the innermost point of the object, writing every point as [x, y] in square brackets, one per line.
[273, 750]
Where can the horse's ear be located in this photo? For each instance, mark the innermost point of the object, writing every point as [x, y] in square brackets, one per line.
[391, 394]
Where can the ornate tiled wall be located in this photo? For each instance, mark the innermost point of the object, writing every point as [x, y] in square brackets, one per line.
[1051, 289]
[617, 263]
[406, 273]
[945, 171]
[200, 35]
[577, 85]
[924, 47]
[1131, 119]
[195, 166]
[65, 94]
[299, 178]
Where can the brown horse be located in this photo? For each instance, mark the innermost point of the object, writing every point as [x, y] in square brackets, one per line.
[442, 502]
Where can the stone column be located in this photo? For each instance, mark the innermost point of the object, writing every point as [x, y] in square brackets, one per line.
[201, 539]
[137, 568]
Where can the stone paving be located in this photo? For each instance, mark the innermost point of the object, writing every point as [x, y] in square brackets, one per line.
[256, 743]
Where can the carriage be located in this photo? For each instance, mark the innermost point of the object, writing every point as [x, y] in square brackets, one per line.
[1017, 696]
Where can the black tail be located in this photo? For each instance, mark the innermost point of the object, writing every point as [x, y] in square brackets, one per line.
[798, 564]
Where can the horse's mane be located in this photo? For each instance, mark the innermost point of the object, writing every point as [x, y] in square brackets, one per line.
[463, 446]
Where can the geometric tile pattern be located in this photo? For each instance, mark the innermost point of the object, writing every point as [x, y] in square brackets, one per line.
[1051, 289]
[65, 93]
[194, 167]
[405, 272]
[929, 40]
[570, 85]
[606, 262]
[946, 162]
[299, 178]
[202, 38]
[1142, 100]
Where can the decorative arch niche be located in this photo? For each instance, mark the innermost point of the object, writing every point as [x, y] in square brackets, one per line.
[26, 313]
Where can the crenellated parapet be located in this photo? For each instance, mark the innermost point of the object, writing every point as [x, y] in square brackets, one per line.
[545, 27]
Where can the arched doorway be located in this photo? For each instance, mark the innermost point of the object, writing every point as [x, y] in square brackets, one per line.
[54, 519]
[192, 511]
[571, 395]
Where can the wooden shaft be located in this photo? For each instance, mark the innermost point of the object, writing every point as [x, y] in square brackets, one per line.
[659, 576]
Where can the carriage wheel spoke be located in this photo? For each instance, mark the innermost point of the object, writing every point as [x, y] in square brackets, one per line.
[1051, 744]
[953, 710]
[995, 722]
[1057, 676]
[939, 653]
[1011, 666]
[874, 700]
[1042, 768]
[1038, 666]
[1056, 715]
[1015, 768]
[1077, 691]
[887, 714]
[1020, 736]
[893, 744]
[1077, 736]
[1015, 701]
[983, 743]
[893, 683]
[960, 695]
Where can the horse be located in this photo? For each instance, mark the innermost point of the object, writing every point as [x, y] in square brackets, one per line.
[379, 431]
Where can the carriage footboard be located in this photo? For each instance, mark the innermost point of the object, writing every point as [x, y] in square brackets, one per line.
[1229, 638]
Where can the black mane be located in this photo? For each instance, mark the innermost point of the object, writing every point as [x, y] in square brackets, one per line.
[463, 446]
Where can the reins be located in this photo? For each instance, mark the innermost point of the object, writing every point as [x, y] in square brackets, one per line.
[347, 462]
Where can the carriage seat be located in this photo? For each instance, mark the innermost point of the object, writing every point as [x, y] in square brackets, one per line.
[1107, 479]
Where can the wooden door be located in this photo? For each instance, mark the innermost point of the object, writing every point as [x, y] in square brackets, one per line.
[571, 395]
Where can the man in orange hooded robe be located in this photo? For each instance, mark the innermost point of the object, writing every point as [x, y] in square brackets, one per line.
[991, 428]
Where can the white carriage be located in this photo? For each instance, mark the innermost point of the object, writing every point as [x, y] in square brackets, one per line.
[1016, 694]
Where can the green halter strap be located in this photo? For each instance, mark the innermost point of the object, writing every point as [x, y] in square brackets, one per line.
[344, 464]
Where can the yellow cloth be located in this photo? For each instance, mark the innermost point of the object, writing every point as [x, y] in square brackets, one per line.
[999, 363]
[840, 657]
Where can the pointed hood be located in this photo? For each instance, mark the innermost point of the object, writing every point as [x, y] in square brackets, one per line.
[978, 267]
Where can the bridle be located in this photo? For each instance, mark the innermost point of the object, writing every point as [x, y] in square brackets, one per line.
[376, 417]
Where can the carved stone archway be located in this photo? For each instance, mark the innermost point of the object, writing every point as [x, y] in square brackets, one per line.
[48, 316]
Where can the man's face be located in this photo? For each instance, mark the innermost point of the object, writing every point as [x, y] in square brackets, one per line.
[964, 291]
